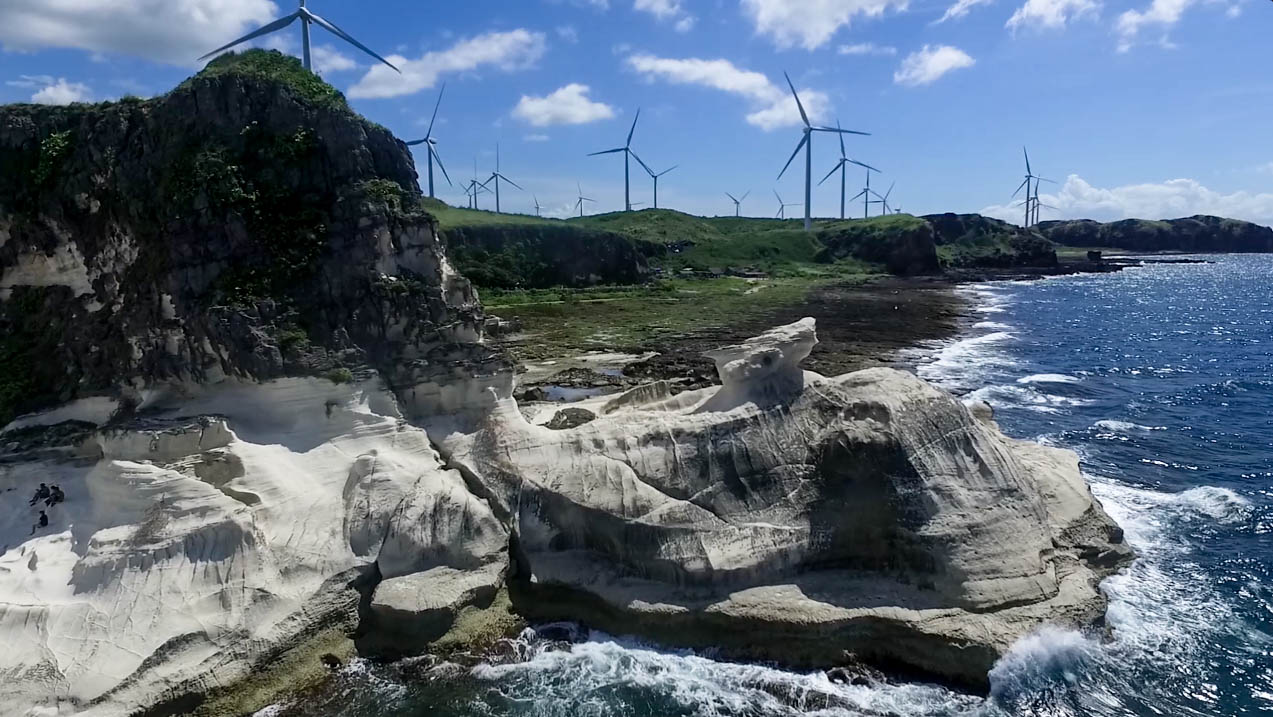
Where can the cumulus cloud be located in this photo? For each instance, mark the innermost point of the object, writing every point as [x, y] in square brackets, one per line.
[1077, 199]
[568, 33]
[506, 51]
[170, 31]
[867, 48]
[1051, 13]
[929, 63]
[566, 105]
[670, 10]
[810, 23]
[52, 91]
[771, 104]
[1162, 13]
[328, 59]
[960, 9]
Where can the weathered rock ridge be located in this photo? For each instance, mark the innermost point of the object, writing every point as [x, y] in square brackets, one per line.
[1190, 234]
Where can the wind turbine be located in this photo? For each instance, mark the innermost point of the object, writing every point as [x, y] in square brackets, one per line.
[497, 176]
[782, 206]
[431, 144]
[865, 194]
[475, 187]
[842, 165]
[655, 176]
[537, 207]
[627, 151]
[306, 17]
[1031, 211]
[738, 201]
[582, 199]
[807, 142]
[884, 199]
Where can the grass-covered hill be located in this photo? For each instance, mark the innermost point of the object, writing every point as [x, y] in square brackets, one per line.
[1190, 234]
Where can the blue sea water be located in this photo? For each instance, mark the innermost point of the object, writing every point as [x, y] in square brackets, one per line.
[1161, 378]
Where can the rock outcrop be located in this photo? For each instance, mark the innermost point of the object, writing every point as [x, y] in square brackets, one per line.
[788, 516]
[972, 240]
[1190, 234]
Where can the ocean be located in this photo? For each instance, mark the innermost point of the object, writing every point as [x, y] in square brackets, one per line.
[1161, 378]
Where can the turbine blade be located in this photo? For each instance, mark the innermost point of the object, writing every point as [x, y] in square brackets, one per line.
[643, 164]
[890, 190]
[1027, 160]
[608, 151]
[660, 174]
[855, 196]
[1014, 194]
[731, 197]
[837, 166]
[266, 29]
[841, 134]
[438, 157]
[436, 105]
[1041, 179]
[414, 142]
[744, 195]
[799, 106]
[347, 38]
[779, 197]
[860, 164]
[515, 184]
[634, 121]
[793, 155]
[841, 131]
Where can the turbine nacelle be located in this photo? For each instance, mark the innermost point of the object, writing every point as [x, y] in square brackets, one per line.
[306, 17]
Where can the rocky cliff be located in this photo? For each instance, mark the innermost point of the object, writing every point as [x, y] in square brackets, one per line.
[247, 224]
[265, 393]
[1191, 234]
[973, 240]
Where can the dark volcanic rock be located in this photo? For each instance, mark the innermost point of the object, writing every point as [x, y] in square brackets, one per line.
[1191, 234]
[245, 224]
[978, 241]
[904, 246]
[570, 418]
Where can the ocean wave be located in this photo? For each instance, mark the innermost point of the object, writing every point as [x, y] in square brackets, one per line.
[1049, 378]
[1126, 427]
[1026, 397]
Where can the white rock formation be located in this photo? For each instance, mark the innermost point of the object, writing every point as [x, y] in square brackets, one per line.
[182, 557]
[783, 515]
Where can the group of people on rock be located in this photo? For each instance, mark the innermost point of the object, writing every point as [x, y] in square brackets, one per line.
[51, 495]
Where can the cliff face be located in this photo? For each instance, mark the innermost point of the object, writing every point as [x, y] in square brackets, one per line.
[972, 240]
[903, 244]
[247, 224]
[1191, 234]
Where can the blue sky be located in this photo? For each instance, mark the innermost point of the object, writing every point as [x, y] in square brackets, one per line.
[1152, 108]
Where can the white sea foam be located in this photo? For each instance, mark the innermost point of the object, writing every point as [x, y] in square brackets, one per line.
[1025, 396]
[1126, 427]
[1049, 378]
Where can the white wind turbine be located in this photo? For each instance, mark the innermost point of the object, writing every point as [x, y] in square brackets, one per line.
[306, 17]
[738, 201]
[807, 143]
[431, 143]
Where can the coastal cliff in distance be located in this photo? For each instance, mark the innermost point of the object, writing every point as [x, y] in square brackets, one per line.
[233, 336]
[1197, 234]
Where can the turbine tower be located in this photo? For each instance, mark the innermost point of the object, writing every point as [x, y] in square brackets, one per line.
[782, 206]
[431, 144]
[807, 142]
[537, 207]
[865, 194]
[655, 176]
[497, 176]
[582, 199]
[306, 17]
[738, 201]
[627, 152]
[842, 165]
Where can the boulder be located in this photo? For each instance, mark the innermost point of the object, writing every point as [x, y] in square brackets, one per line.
[408, 613]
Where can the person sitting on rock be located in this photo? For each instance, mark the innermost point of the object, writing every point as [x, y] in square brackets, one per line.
[43, 522]
[41, 493]
[55, 496]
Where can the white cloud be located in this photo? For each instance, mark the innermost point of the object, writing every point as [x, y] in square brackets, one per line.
[535, 138]
[929, 63]
[568, 33]
[1266, 168]
[867, 48]
[772, 104]
[61, 93]
[328, 59]
[1051, 13]
[669, 10]
[507, 51]
[170, 31]
[28, 81]
[960, 9]
[1077, 199]
[1164, 13]
[810, 23]
[566, 105]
